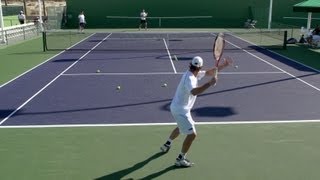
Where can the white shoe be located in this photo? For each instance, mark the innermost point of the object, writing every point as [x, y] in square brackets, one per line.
[165, 148]
[183, 163]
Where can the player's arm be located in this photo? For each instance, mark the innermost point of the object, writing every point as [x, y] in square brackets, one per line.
[201, 89]
[226, 62]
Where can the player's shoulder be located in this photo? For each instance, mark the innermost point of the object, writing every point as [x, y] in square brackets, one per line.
[189, 75]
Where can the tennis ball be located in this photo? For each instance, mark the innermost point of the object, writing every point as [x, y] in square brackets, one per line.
[118, 87]
[98, 71]
[236, 67]
[165, 85]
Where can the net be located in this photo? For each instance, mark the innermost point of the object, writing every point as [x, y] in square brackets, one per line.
[68, 40]
[62, 40]
[269, 39]
[158, 41]
[160, 22]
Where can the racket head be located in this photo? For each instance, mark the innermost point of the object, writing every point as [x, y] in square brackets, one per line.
[218, 48]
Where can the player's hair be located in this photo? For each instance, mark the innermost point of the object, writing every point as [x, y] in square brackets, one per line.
[193, 68]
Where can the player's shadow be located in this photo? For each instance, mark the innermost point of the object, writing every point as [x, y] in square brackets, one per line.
[207, 111]
[214, 111]
[186, 55]
[124, 172]
[159, 173]
[5, 112]
[184, 58]
[65, 60]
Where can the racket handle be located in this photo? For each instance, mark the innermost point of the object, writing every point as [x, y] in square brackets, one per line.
[215, 73]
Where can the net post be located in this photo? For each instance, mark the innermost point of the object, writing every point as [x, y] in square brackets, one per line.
[44, 41]
[285, 39]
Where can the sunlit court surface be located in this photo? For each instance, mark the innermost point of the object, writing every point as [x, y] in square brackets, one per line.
[100, 107]
[118, 78]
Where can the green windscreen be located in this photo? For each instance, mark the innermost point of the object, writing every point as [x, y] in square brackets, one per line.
[225, 14]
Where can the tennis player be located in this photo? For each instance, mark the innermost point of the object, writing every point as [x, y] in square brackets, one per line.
[82, 21]
[183, 101]
[143, 19]
[21, 17]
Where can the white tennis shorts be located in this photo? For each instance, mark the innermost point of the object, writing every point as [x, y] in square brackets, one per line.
[185, 122]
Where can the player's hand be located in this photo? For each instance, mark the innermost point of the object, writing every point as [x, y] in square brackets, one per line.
[213, 80]
[227, 61]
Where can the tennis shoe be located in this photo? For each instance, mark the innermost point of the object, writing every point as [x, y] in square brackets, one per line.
[183, 163]
[165, 148]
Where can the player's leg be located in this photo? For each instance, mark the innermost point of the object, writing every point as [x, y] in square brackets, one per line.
[186, 127]
[80, 27]
[141, 22]
[181, 160]
[187, 143]
[145, 25]
[167, 145]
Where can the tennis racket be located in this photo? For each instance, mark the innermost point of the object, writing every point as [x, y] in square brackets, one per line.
[218, 48]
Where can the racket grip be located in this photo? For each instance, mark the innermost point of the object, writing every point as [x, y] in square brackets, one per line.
[215, 73]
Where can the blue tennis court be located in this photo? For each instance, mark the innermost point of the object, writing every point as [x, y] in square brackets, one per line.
[68, 90]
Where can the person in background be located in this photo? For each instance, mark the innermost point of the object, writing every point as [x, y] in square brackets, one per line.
[143, 19]
[316, 31]
[314, 36]
[82, 21]
[21, 17]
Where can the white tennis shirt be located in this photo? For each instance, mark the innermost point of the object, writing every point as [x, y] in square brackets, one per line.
[143, 15]
[21, 16]
[81, 18]
[183, 99]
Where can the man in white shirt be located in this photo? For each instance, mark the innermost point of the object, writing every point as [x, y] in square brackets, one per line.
[21, 17]
[183, 101]
[143, 19]
[82, 21]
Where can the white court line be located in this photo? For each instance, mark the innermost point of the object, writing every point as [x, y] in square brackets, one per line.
[122, 74]
[314, 87]
[161, 124]
[165, 43]
[45, 61]
[6, 118]
[161, 73]
[245, 73]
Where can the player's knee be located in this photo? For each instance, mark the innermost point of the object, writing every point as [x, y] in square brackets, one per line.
[192, 136]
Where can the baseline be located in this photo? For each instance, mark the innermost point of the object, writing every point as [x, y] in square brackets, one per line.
[161, 124]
